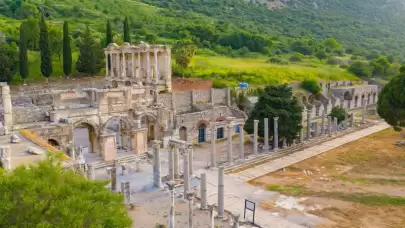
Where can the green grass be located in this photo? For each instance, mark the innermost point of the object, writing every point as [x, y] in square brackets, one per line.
[230, 71]
[369, 199]
[371, 181]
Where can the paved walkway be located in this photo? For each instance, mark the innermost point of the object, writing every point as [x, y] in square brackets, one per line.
[296, 157]
[237, 190]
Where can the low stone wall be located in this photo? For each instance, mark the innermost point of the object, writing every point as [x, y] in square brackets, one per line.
[22, 115]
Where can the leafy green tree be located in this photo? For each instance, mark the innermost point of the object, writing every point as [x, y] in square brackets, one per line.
[360, 69]
[127, 32]
[332, 43]
[90, 60]
[311, 86]
[23, 54]
[8, 61]
[277, 101]
[55, 41]
[46, 56]
[380, 65]
[339, 113]
[47, 195]
[184, 51]
[67, 50]
[321, 55]
[31, 30]
[391, 101]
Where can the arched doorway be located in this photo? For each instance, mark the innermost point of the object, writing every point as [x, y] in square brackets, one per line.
[362, 100]
[220, 133]
[53, 143]
[356, 101]
[369, 98]
[148, 122]
[348, 97]
[85, 135]
[183, 133]
[122, 128]
[201, 132]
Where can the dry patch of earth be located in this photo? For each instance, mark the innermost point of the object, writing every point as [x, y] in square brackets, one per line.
[360, 184]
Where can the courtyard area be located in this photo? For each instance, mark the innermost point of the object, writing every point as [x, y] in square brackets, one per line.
[359, 184]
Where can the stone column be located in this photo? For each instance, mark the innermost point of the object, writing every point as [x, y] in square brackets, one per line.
[148, 66]
[106, 64]
[221, 205]
[336, 124]
[213, 154]
[211, 216]
[329, 126]
[124, 67]
[7, 107]
[171, 162]
[126, 191]
[186, 173]
[133, 69]
[236, 221]
[364, 111]
[117, 64]
[203, 189]
[275, 134]
[112, 62]
[229, 145]
[156, 67]
[90, 172]
[171, 184]
[190, 160]
[138, 65]
[255, 136]
[5, 157]
[241, 142]
[266, 135]
[114, 178]
[176, 163]
[316, 130]
[157, 166]
[190, 197]
[309, 120]
[323, 121]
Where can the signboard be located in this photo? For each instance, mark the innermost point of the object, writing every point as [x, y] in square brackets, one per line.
[251, 206]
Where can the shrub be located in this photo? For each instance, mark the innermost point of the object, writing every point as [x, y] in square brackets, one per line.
[333, 61]
[339, 113]
[311, 86]
[360, 69]
[297, 57]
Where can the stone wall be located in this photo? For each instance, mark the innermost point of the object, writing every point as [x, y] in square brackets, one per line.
[166, 99]
[202, 96]
[183, 102]
[220, 96]
[18, 100]
[22, 115]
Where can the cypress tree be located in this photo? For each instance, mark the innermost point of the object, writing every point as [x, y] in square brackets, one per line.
[67, 51]
[127, 33]
[23, 54]
[109, 40]
[46, 56]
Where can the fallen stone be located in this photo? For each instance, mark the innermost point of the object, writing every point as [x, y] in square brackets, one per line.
[34, 151]
[15, 139]
[400, 143]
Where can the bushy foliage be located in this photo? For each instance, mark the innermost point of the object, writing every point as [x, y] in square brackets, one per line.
[391, 101]
[277, 101]
[8, 61]
[90, 60]
[361, 69]
[46, 195]
[296, 57]
[183, 51]
[339, 113]
[311, 86]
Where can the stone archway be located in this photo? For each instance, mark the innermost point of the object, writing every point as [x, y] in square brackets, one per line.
[54, 143]
[183, 133]
[202, 126]
[348, 98]
[86, 134]
[356, 101]
[368, 98]
[122, 127]
[362, 99]
[148, 121]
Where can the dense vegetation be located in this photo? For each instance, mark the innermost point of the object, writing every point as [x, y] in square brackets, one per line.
[297, 34]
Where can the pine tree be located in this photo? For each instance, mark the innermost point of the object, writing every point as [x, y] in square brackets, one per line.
[90, 59]
[23, 54]
[46, 56]
[67, 50]
[127, 33]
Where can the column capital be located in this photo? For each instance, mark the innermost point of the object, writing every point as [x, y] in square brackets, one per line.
[276, 118]
[156, 144]
[256, 121]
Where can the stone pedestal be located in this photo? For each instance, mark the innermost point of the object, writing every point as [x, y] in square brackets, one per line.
[139, 140]
[108, 146]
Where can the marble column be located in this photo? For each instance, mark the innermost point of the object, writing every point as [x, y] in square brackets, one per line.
[316, 130]
[138, 74]
[90, 172]
[275, 134]
[171, 162]
[241, 142]
[213, 154]
[190, 197]
[113, 178]
[364, 111]
[106, 64]
[229, 154]
[148, 66]
[323, 121]
[211, 216]
[171, 185]
[124, 67]
[176, 163]
[255, 136]
[336, 124]
[133, 68]
[117, 64]
[221, 195]
[203, 189]
[266, 135]
[157, 166]
[309, 120]
[329, 126]
[126, 191]
[5, 157]
[156, 69]
[186, 172]
[190, 160]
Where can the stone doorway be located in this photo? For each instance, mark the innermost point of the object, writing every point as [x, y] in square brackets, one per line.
[122, 129]
[85, 135]
[183, 133]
